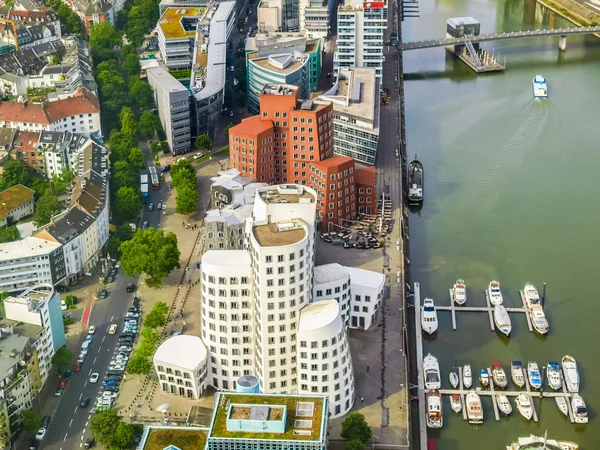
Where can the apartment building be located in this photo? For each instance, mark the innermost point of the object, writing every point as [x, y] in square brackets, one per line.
[278, 15]
[314, 17]
[15, 203]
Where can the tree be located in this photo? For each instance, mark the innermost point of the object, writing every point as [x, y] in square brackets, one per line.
[120, 145]
[124, 435]
[103, 38]
[127, 203]
[355, 427]
[45, 208]
[187, 197]
[131, 64]
[112, 247]
[9, 234]
[31, 420]
[15, 172]
[204, 142]
[127, 120]
[137, 158]
[148, 125]
[62, 358]
[124, 175]
[150, 336]
[151, 252]
[124, 232]
[141, 93]
[182, 170]
[139, 365]
[227, 128]
[154, 320]
[104, 426]
[355, 444]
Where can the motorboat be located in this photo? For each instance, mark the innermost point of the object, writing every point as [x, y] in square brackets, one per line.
[431, 370]
[516, 373]
[540, 88]
[434, 409]
[553, 375]
[532, 297]
[474, 410]
[502, 320]
[498, 375]
[579, 410]
[533, 374]
[524, 406]
[455, 403]
[504, 405]
[563, 407]
[429, 320]
[538, 319]
[494, 294]
[453, 377]
[484, 378]
[416, 180]
[459, 292]
[570, 373]
[541, 443]
[467, 376]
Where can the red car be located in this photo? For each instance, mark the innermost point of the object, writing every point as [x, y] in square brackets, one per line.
[63, 383]
[78, 365]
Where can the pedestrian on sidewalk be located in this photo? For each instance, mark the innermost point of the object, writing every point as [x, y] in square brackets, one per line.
[362, 399]
[367, 368]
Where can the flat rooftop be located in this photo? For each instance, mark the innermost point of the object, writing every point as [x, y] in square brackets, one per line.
[311, 412]
[173, 22]
[278, 234]
[159, 438]
[27, 247]
[265, 63]
[23, 329]
[14, 197]
[284, 194]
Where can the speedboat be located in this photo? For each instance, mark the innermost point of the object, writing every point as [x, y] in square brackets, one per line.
[484, 378]
[533, 374]
[571, 375]
[538, 319]
[524, 405]
[455, 403]
[467, 376]
[415, 181]
[459, 292]
[561, 403]
[453, 377]
[553, 375]
[540, 88]
[502, 320]
[541, 443]
[503, 404]
[579, 410]
[434, 409]
[532, 297]
[494, 294]
[429, 320]
[498, 375]
[516, 373]
[431, 369]
[474, 410]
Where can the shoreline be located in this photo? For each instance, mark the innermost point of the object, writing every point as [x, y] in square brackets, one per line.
[570, 15]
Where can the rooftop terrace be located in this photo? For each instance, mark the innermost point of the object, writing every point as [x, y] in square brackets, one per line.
[286, 194]
[160, 438]
[279, 234]
[173, 22]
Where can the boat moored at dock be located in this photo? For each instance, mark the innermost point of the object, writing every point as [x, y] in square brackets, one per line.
[553, 376]
[579, 409]
[562, 405]
[434, 409]
[429, 319]
[474, 410]
[524, 406]
[504, 405]
[502, 320]
[459, 292]
[455, 403]
[484, 378]
[533, 374]
[570, 373]
[498, 375]
[538, 319]
[467, 376]
[541, 443]
[416, 180]
[494, 293]
[532, 297]
[540, 88]
[431, 372]
[453, 378]
[516, 373]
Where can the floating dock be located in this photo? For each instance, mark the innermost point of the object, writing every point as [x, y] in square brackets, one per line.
[480, 61]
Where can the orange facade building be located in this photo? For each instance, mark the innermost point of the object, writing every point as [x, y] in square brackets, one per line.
[291, 141]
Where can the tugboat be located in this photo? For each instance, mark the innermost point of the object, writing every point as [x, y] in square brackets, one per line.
[415, 181]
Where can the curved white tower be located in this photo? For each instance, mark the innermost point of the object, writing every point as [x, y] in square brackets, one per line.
[324, 361]
[333, 281]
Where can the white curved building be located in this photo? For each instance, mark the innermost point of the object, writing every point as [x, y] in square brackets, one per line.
[333, 281]
[227, 315]
[181, 365]
[324, 361]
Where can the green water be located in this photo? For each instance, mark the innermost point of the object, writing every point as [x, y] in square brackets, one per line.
[513, 194]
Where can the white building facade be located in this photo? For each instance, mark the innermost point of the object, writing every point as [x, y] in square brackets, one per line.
[367, 294]
[333, 281]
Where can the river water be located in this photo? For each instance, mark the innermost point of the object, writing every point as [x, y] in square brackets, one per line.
[513, 194]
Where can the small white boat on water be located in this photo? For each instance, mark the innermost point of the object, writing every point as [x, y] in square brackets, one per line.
[541, 443]
[579, 409]
[538, 319]
[498, 375]
[532, 297]
[434, 409]
[502, 320]
[570, 373]
[453, 377]
[516, 373]
[431, 372]
[494, 294]
[459, 292]
[540, 88]
[467, 376]
[474, 410]
[553, 375]
[563, 407]
[524, 406]
[484, 378]
[504, 405]
[455, 403]
[429, 320]
[533, 374]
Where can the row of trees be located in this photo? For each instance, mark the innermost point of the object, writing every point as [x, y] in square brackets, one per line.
[110, 431]
[183, 176]
[140, 362]
[69, 19]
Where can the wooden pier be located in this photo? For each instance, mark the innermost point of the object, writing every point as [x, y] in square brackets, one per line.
[462, 396]
[522, 294]
[568, 398]
[528, 387]
[494, 399]
[421, 383]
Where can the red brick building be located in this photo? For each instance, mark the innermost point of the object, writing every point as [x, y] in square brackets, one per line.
[291, 141]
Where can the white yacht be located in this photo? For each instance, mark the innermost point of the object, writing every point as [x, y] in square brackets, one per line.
[467, 376]
[459, 292]
[504, 405]
[563, 407]
[494, 294]
[570, 373]
[429, 320]
[540, 88]
[533, 375]
[453, 377]
[434, 409]
[524, 406]
[516, 373]
[431, 372]
[455, 403]
[538, 319]
[473, 406]
[502, 320]
[579, 410]
[541, 443]
[532, 297]
[553, 375]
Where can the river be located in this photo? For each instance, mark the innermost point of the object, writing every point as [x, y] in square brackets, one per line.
[512, 194]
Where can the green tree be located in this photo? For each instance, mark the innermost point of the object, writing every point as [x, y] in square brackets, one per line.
[15, 172]
[355, 427]
[131, 64]
[127, 203]
[151, 252]
[112, 247]
[31, 420]
[181, 171]
[124, 175]
[103, 38]
[62, 358]
[141, 93]
[124, 435]
[227, 128]
[150, 336]
[124, 232]
[355, 444]
[148, 124]
[154, 320]
[139, 365]
[104, 426]
[127, 119]
[120, 145]
[204, 142]
[45, 208]
[187, 197]
[137, 158]
[9, 234]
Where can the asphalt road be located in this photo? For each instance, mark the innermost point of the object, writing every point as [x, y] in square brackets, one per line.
[70, 423]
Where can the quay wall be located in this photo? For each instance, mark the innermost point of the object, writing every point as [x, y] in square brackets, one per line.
[573, 11]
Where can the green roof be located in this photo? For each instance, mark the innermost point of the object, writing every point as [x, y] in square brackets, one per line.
[14, 197]
[182, 438]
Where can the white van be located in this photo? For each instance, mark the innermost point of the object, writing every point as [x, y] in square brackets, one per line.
[63, 306]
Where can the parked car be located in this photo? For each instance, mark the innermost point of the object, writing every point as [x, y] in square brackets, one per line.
[46, 422]
[151, 207]
[145, 225]
[110, 279]
[159, 206]
[63, 383]
[78, 365]
[117, 367]
[103, 293]
[67, 375]
[130, 286]
[40, 434]
[92, 330]
[165, 168]
[59, 392]
[34, 444]
[84, 402]
[89, 443]
[198, 155]
[114, 372]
